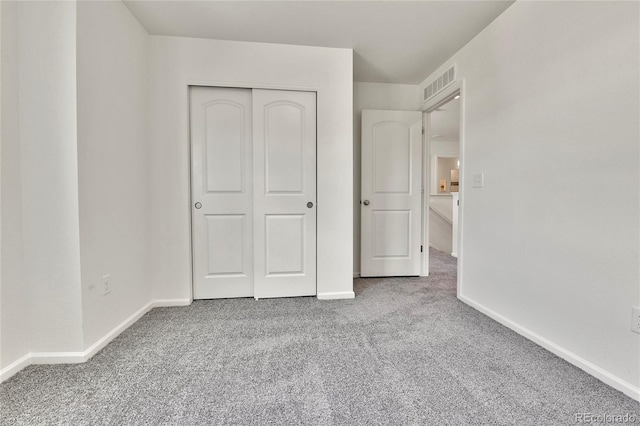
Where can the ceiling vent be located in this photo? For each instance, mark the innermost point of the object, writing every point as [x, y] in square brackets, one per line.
[441, 83]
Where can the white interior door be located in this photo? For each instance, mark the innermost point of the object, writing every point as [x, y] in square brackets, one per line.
[222, 196]
[284, 135]
[391, 193]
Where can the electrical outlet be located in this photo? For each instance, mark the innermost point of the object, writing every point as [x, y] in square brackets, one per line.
[106, 284]
[635, 319]
[478, 180]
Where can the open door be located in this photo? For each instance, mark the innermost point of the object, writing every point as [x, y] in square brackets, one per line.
[391, 193]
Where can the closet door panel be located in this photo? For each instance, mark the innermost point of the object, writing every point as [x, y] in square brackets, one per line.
[284, 134]
[222, 192]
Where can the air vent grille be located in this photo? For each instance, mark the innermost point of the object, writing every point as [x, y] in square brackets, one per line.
[440, 83]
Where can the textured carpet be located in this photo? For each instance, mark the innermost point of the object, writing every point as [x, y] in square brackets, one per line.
[405, 351]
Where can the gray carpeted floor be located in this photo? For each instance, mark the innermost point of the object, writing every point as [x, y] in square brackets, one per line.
[405, 351]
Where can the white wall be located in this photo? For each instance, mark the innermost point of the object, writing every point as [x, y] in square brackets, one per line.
[49, 174]
[75, 178]
[551, 243]
[374, 96]
[113, 164]
[440, 231]
[176, 62]
[14, 330]
[446, 148]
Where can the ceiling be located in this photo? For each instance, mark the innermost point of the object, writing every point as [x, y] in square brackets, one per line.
[393, 41]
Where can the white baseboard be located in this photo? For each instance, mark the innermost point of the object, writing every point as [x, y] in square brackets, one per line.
[13, 368]
[38, 358]
[80, 357]
[163, 303]
[599, 373]
[337, 295]
[108, 338]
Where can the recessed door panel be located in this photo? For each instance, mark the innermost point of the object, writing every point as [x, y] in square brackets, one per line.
[284, 135]
[226, 244]
[224, 146]
[391, 234]
[284, 244]
[392, 158]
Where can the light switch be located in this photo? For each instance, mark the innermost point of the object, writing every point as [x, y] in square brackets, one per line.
[478, 180]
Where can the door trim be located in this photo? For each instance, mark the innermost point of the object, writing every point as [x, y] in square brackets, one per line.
[428, 107]
[240, 85]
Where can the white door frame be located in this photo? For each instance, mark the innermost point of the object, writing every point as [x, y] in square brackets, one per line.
[237, 85]
[456, 88]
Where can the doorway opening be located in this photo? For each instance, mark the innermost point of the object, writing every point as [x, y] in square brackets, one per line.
[444, 176]
[409, 173]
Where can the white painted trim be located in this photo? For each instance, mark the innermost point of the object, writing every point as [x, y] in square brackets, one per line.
[58, 357]
[356, 275]
[250, 85]
[107, 338]
[454, 255]
[426, 183]
[164, 303]
[599, 373]
[461, 188]
[80, 357]
[428, 107]
[15, 367]
[337, 295]
[87, 354]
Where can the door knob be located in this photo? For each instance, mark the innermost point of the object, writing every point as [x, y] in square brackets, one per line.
[198, 205]
[366, 202]
[309, 204]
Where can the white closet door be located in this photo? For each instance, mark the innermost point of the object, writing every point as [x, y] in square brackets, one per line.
[284, 135]
[391, 193]
[222, 196]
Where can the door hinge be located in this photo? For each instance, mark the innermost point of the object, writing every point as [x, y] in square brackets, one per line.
[420, 249]
[458, 202]
[423, 130]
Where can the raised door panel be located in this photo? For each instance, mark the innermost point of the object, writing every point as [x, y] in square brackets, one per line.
[224, 146]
